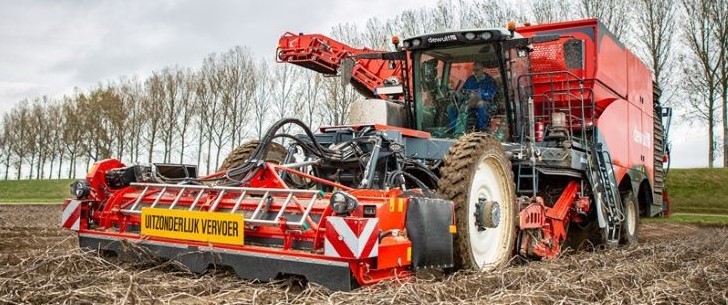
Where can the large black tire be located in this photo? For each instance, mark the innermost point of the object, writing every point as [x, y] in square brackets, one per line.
[276, 153]
[631, 223]
[476, 166]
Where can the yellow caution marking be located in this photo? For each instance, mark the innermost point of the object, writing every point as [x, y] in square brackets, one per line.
[400, 204]
[214, 227]
[453, 229]
[391, 204]
[409, 254]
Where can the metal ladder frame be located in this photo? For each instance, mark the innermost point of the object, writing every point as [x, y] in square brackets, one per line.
[603, 187]
[245, 192]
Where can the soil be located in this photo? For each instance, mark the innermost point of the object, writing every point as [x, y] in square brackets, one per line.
[672, 264]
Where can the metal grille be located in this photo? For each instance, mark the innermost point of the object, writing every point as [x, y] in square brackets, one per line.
[548, 57]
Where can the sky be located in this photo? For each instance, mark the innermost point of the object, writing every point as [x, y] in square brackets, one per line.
[50, 47]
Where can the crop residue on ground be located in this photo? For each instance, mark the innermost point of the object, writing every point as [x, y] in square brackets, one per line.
[40, 263]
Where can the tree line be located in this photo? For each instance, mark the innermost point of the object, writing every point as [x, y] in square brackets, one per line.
[197, 115]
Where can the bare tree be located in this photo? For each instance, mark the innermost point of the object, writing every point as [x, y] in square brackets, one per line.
[201, 94]
[719, 17]
[72, 131]
[310, 90]
[378, 34]
[284, 97]
[656, 20]
[19, 120]
[55, 122]
[211, 108]
[337, 102]
[171, 81]
[39, 133]
[131, 92]
[701, 67]
[412, 22]
[545, 11]
[187, 110]
[238, 89]
[153, 109]
[216, 107]
[98, 128]
[114, 111]
[261, 96]
[443, 16]
[490, 14]
[615, 14]
[5, 144]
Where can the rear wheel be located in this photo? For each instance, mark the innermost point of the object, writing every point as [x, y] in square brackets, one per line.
[276, 154]
[478, 178]
[631, 223]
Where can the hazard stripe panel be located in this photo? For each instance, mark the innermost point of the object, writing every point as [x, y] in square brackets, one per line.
[71, 216]
[351, 237]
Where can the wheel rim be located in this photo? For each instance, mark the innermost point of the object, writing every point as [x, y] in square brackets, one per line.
[631, 218]
[486, 246]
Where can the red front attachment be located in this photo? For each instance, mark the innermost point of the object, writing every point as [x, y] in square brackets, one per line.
[292, 231]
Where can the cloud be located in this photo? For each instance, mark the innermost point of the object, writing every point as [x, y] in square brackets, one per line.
[50, 47]
[59, 45]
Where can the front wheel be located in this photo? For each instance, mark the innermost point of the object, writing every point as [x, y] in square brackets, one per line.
[478, 178]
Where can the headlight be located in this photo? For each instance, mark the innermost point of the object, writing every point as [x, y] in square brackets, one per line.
[80, 189]
[469, 35]
[342, 203]
[406, 44]
[416, 43]
[486, 35]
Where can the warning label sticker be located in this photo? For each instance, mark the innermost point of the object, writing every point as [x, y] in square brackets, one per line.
[214, 227]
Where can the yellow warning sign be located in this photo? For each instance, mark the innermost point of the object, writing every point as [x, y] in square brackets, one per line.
[214, 227]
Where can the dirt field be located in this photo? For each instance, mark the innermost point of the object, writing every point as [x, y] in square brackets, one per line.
[674, 264]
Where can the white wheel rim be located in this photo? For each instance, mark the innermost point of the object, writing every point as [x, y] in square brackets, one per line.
[487, 246]
[631, 219]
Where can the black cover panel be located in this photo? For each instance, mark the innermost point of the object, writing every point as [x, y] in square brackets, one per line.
[247, 265]
[428, 227]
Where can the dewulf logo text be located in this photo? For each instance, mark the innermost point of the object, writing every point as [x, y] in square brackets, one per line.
[447, 38]
[645, 139]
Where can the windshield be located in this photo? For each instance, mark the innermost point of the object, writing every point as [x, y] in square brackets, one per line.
[459, 90]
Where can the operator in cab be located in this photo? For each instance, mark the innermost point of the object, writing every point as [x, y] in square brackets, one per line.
[479, 90]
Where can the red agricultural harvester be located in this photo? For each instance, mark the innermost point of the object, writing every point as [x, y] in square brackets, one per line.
[556, 140]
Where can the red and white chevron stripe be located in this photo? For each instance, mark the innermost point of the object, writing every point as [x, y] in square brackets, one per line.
[351, 237]
[71, 217]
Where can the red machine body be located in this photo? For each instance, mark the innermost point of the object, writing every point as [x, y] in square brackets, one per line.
[618, 84]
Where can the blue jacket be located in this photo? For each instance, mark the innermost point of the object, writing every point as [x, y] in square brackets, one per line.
[486, 87]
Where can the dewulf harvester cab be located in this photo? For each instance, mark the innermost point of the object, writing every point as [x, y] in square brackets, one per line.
[559, 145]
